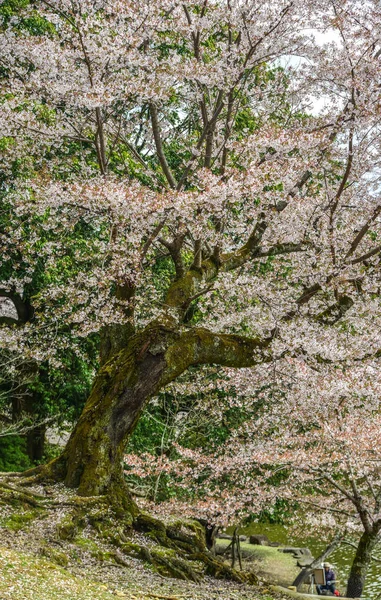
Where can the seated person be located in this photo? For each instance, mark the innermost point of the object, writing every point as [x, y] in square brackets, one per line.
[330, 580]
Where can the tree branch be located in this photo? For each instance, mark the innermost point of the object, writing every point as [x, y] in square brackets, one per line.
[174, 248]
[348, 543]
[251, 248]
[367, 255]
[346, 172]
[200, 346]
[207, 128]
[364, 229]
[159, 147]
[252, 251]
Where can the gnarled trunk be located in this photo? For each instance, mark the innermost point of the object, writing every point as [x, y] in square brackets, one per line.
[360, 565]
[92, 459]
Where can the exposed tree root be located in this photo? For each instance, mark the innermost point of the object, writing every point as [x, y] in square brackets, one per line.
[178, 550]
[16, 488]
[188, 539]
[161, 597]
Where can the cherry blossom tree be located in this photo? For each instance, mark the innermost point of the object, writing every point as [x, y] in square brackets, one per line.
[330, 457]
[200, 185]
[340, 477]
[322, 456]
[331, 454]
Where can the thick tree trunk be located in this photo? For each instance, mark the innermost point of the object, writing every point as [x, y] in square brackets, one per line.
[92, 459]
[360, 565]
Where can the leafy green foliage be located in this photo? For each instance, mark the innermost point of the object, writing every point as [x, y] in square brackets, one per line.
[13, 455]
[61, 391]
[33, 23]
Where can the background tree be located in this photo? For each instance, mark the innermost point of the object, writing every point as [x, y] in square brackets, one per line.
[330, 457]
[323, 457]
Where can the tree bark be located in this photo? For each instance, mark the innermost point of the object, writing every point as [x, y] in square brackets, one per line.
[361, 562]
[92, 459]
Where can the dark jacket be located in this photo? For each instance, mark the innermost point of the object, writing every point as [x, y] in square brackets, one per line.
[329, 576]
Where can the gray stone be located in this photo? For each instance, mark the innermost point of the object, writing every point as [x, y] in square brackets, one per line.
[259, 540]
[242, 538]
[297, 552]
[224, 536]
[304, 562]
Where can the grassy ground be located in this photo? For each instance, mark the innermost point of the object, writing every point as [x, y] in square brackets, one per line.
[24, 576]
[268, 563]
[45, 555]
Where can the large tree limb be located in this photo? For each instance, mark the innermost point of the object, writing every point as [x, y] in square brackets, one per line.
[200, 346]
[189, 286]
[344, 179]
[335, 311]
[174, 249]
[239, 258]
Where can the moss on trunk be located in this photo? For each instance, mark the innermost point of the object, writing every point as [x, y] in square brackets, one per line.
[92, 459]
[361, 562]
[188, 540]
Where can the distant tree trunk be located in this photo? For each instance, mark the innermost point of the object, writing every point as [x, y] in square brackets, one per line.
[35, 442]
[25, 400]
[361, 562]
[27, 403]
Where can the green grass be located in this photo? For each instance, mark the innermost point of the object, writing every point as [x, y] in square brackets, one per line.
[24, 577]
[262, 552]
[17, 521]
[274, 566]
